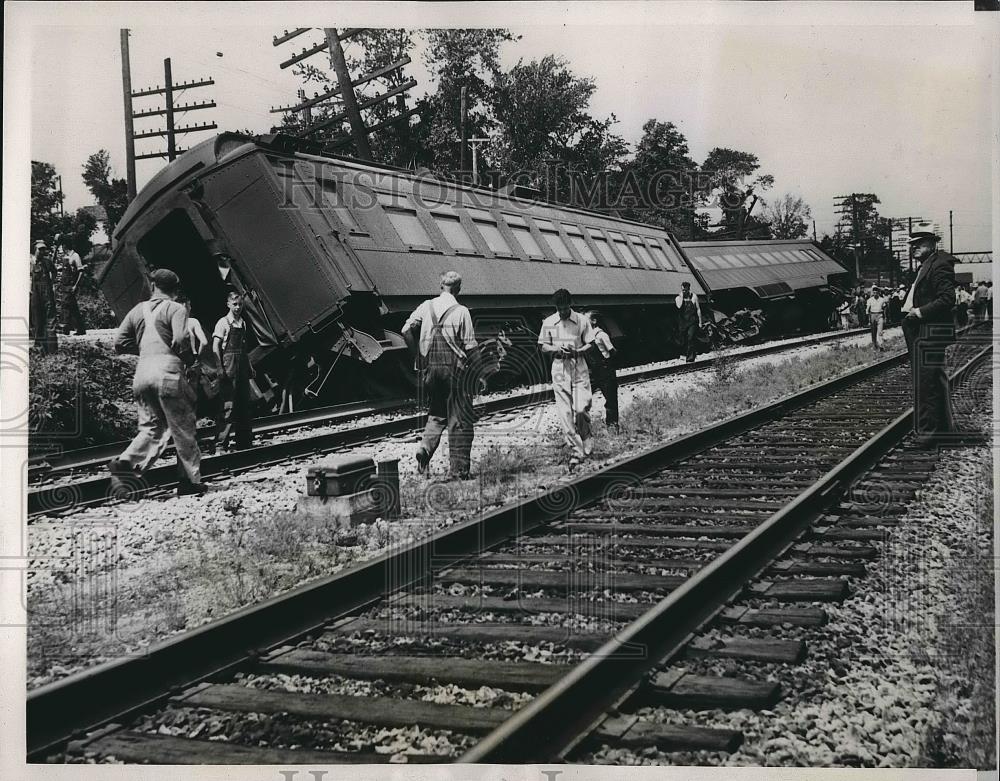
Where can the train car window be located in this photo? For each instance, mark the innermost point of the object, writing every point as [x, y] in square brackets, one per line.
[487, 227]
[519, 227]
[639, 248]
[601, 242]
[333, 198]
[455, 233]
[725, 261]
[794, 257]
[554, 240]
[582, 247]
[747, 260]
[623, 249]
[659, 255]
[676, 261]
[411, 231]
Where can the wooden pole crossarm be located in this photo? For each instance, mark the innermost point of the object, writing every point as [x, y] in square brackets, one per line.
[184, 85]
[182, 129]
[363, 105]
[304, 55]
[287, 36]
[177, 109]
[334, 92]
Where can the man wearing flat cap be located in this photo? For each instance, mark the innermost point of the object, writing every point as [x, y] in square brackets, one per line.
[42, 301]
[929, 328]
[157, 330]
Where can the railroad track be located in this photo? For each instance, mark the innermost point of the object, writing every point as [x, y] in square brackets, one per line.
[707, 547]
[94, 487]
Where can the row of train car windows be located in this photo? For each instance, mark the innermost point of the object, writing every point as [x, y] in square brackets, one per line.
[635, 250]
[744, 260]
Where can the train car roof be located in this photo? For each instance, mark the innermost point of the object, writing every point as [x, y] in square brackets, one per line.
[640, 253]
[770, 267]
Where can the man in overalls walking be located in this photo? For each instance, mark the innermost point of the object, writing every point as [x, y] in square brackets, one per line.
[232, 348]
[689, 321]
[441, 333]
[156, 330]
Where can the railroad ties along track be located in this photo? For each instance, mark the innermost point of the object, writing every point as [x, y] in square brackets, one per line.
[78, 479]
[619, 591]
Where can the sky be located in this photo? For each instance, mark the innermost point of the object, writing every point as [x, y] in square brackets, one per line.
[904, 110]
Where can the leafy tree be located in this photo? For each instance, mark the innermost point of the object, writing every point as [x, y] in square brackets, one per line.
[109, 192]
[663, 178]
[544, 132]
[788, 217]
[46, 199]
[730, 176]
[454, 58]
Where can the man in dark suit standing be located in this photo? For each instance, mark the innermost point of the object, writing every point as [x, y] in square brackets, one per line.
[929, 328]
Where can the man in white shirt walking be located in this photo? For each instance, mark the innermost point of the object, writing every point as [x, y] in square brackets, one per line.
[566, 336]
[876, 316]
[441, 335]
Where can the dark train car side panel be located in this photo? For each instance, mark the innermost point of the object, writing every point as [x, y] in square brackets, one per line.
[279, 255]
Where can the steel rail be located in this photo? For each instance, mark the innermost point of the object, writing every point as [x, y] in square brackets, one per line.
[119, 689]
[99, 455]
[97, 490]
[560, 718]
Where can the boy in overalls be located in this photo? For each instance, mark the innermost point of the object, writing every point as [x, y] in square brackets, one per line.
[232, 348]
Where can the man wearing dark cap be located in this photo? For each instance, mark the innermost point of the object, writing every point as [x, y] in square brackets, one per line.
[929, 328]
[689, 321]
[157, 330]
[42, 301]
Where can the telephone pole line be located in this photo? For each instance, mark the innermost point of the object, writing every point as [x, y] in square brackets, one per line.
[345, 89]
[170, 111]
[951, 232]
[129, 129]
[358, 130]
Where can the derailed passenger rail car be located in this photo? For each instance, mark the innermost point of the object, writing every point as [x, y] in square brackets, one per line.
[334, 253]
[792, 282]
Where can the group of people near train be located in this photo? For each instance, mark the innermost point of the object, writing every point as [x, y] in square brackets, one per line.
[177, 361]
[441, 335]
[55, 275]
[178, 367]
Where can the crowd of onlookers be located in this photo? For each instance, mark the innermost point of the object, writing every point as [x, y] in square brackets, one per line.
[882, 307]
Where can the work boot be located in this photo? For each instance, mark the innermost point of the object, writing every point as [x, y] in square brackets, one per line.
[422, 461]
[187, 488]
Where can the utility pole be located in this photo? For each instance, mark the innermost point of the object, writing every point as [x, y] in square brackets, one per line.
[346, 90]
[909, 232]
[463, 117]
[951, 232]
[814, 231]
[168, 96]
[129, 130]
[306, 113]
[474, 143]
[358, 130]
[170, 111]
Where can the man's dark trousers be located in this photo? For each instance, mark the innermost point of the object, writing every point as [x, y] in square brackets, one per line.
[927, 344]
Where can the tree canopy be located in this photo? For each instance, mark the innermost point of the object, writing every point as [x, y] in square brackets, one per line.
[109, 192]
[788, 217]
